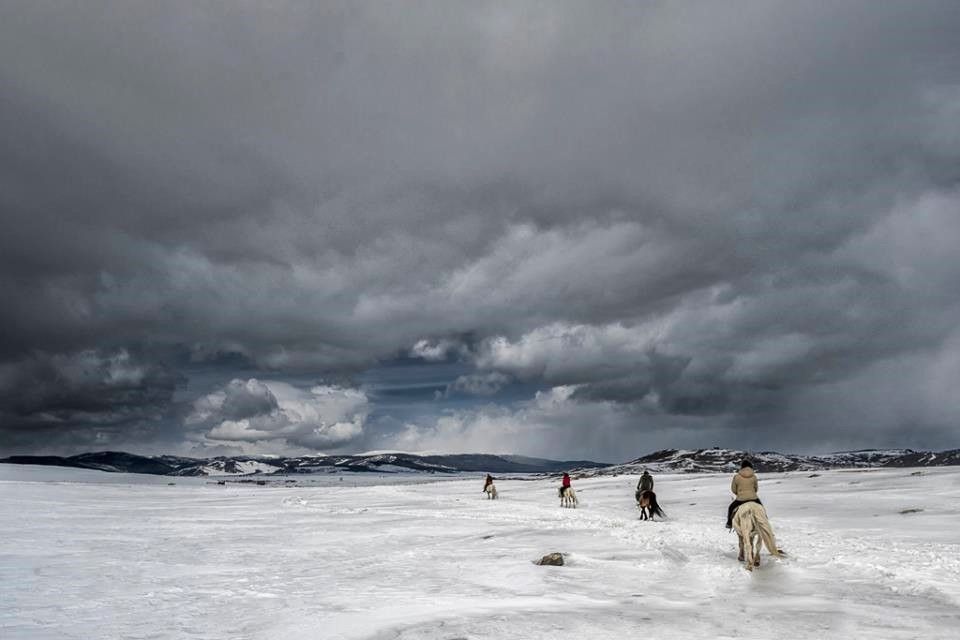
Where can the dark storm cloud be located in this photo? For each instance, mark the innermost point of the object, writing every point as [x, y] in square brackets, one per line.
[699, 217]
[85, 399]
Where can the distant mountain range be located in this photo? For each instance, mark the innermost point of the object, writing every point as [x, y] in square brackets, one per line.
[717, 460]
[668, 460]
[117, 461]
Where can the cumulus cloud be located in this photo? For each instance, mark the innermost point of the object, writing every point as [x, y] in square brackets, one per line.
[479, 384]
[239, 399]
[438, 350]
[254, 411]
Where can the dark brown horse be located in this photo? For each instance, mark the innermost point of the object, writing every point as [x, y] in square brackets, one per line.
[647, 503]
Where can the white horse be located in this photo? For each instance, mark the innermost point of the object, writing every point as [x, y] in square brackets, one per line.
[754, 531]
[568, 498]
[491, 491]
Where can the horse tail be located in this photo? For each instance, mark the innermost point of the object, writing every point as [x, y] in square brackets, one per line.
[762, 524]
[655, 506]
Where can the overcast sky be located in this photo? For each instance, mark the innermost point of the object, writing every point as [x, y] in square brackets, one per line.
[569, 229]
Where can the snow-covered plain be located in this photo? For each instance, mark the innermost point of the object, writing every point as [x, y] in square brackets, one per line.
[93, 555]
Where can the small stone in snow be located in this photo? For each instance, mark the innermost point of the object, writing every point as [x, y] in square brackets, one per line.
[554, 559]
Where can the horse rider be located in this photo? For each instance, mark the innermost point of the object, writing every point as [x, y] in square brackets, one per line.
[565, 483]
[744, 487]
[645, 483]
[487, 482]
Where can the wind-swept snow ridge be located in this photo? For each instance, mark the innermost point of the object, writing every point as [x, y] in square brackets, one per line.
[692, 460]
[725, 460]
[245, 465]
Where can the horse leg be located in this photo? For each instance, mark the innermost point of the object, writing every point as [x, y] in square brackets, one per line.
[740, 541]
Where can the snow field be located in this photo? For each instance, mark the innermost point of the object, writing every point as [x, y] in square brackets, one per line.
[439, 560]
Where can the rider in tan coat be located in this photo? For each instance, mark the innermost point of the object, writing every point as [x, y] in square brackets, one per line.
[744, 487]
[744, 483]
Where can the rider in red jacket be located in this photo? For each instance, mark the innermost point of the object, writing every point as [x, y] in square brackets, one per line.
[564, 483]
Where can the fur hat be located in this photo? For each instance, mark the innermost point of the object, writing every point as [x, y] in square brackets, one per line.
[746, 463]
